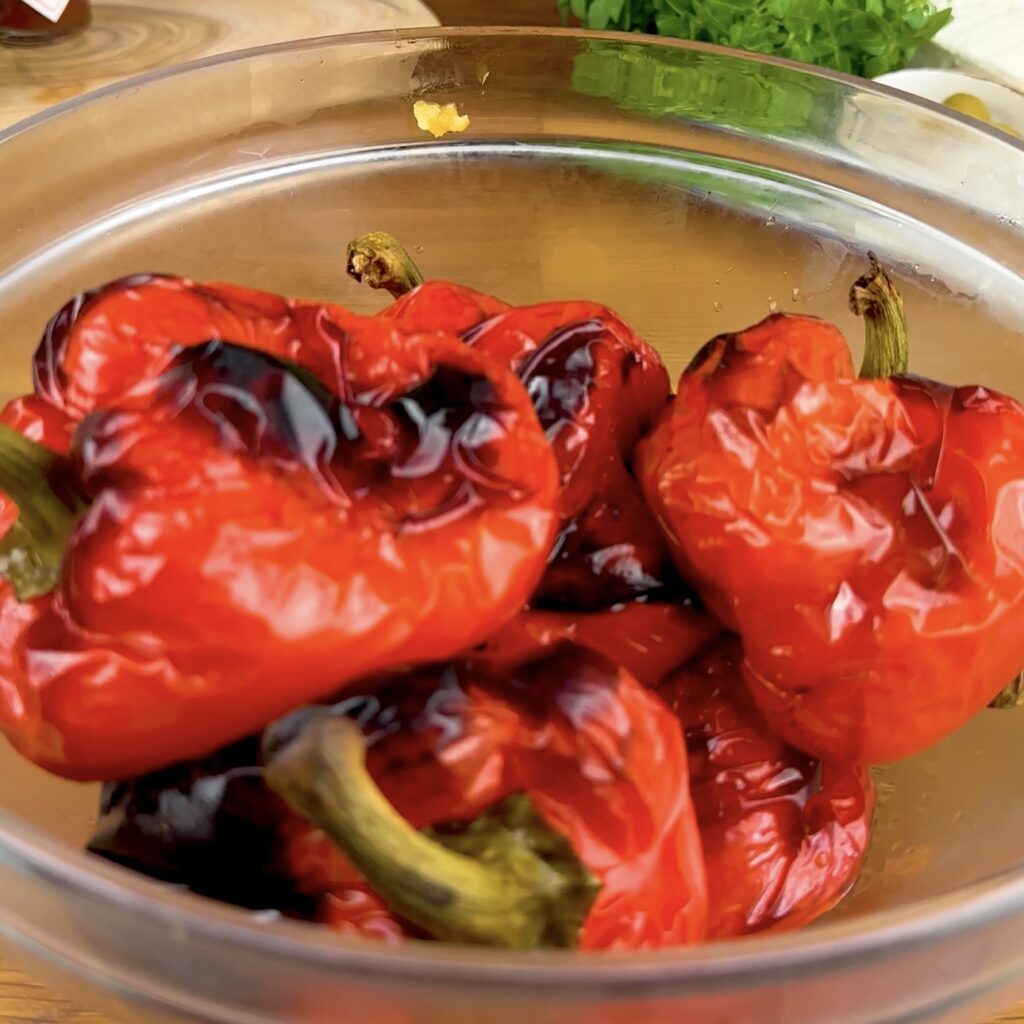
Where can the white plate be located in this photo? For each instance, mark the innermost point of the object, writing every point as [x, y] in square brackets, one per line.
[1005, 104]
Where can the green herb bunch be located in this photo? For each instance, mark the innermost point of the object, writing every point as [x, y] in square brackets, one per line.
[860, 37]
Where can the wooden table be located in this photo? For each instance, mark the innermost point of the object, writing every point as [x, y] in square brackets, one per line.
[21, 1000]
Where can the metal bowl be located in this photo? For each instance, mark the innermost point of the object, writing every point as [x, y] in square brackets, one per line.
[695, 190]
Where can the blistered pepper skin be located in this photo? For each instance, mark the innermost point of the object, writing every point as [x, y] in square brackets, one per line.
[253, 542]
[103, 343]
[600, 756]
[597, 387]
[784, 835]
[595, 384]
[861, 536]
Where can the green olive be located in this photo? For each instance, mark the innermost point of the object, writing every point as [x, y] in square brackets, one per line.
[965, 103]
[1009, 129]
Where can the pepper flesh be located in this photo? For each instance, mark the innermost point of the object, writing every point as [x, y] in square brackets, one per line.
[254, 542]
[862, 536]
[784, 835]
[600, 757]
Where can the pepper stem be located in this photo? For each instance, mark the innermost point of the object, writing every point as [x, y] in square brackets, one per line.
[381, 261]
[886, 347]
[492, 883]
[32, 550]
[1011, 696]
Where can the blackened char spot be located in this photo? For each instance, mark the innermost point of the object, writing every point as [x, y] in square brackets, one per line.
[210, 825]
[430, 453]
[559, 374]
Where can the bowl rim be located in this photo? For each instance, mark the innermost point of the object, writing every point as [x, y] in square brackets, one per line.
[827, 945]
[401, 35]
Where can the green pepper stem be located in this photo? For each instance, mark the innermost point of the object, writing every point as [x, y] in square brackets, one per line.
[1011, 696]
[32, 550]
[886, 346]
[381, 261]
[504, 895]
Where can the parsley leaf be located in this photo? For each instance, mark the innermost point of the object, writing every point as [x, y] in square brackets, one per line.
[860, 37]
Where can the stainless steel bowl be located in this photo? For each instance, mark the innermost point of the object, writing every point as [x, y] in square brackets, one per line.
[693, 189]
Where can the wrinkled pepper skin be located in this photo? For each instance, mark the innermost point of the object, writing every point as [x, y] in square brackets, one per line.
[597, 387]
[103, 343]
[595, 384]
[601, 757]
[864, 537]
[442, 305]
[784, 835]
[648, 640]
[253, 543]
[210, 825]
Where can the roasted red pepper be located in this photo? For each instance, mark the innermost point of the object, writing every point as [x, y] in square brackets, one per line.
[568, 778]
[648, 640]
[253, 542]
[863, 536]
[596, 386]
[784, 835]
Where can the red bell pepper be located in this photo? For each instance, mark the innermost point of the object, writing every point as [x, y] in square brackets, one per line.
[555, 796]
[861, 535]
[596, 386]
[784, 835]
[252, 542]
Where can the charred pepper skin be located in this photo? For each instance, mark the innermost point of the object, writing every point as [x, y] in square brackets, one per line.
[253, 541]
[862, 536]
[595, 384]
[209, 825]
[600, 756]
[597, 388]
[104, 343]
[784, 835]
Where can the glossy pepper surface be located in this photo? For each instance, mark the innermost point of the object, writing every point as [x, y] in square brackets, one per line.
[208, 824]
[252, 542]
[103, 343]
[784, 835]
[600, 759]
[647, 639]
[863, 536]
[597, 388]
[595, 384]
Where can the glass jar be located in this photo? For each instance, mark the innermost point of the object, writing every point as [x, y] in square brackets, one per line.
[22, 23]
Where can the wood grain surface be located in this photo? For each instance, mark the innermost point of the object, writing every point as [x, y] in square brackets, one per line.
[129, 37]
[22, 1001]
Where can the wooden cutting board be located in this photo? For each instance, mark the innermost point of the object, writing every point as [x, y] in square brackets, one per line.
[129, 37]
